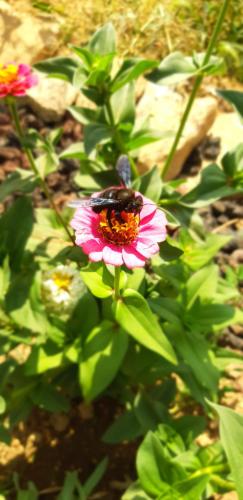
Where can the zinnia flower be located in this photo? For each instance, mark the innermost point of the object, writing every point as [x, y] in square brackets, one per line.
[130, 242]
[15, 79]
[61, 289]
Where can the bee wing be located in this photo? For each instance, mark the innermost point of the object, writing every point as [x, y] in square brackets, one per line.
[92, 202]
[124, 170]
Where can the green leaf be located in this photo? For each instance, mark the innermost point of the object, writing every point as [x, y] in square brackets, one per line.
[235, 98]
[167, 309]
[58, 67]
[103, 41]
[84, 116]
[149, 184]
[202, 284]
[79, 77]
[197, 253]
[19, 181]
[4, 278]
[156, 471]
[213, 317]
[135, 492]
[232, 161]
[23, 301]
[75, 151]
[212, 186]
[176, 67]
[130, 70]
[231, 435]
[102, 355]
[48, 398]
[193, 488]
[95, 133]
[20, 211]
[135, 316]
[141, 138]
[195, 352]
[149, 413]
[85, 55]
[98, 279]
[173, 69]
[84, 317]
[2, 405]
[125, 427]
[169, 252]
[95, 477]
[43, 359]
[123, 104]
[71, 484]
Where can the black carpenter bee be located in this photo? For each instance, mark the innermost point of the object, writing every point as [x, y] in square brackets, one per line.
[115, 199]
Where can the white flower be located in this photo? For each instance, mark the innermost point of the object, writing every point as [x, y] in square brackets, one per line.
[61, 289]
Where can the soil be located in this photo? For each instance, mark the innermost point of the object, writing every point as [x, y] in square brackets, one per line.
[51, 444]
[47, 445]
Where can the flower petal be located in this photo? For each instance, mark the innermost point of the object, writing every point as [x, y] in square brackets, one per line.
[146, 250]
[132, 258]
[112, 255]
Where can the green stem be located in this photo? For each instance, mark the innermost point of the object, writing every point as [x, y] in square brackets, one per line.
[117, 283]
[196, 86]
[222, 483]
[14, 114]
[118, 140]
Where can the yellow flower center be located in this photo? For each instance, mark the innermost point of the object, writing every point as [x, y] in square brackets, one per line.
[8, 73]
[61, 280]
[119, 232]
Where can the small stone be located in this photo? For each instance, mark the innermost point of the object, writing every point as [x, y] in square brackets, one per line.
[237, 256]
[222, 219]
[237, 329]
[86, 411]
[59, 421]
[7, 153]
[219, 207]
[238, 211]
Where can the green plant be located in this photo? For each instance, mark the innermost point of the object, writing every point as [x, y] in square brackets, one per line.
[146, 336]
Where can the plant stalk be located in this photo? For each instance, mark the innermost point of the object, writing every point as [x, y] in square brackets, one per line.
[14, 114]
[117, 283]
[197, 83]
[118, 139]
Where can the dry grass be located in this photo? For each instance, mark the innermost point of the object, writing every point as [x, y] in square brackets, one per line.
[149, 27]
[154, 28]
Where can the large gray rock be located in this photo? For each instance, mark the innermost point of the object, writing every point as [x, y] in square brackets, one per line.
[162, 109]
[50, 98]
[25, 37]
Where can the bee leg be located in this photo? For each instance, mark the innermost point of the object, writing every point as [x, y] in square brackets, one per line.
[119, 217]
[108, 216]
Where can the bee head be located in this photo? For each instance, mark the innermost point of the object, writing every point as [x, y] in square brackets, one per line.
[135, 205]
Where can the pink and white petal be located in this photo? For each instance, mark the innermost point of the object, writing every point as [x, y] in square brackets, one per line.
[92, 246]
[146, 250]
[32, 80]
[96, 256]
[155, 234]
[160, 218]
[83, 237]
[112, 255]
[132, 258]
[24, 69]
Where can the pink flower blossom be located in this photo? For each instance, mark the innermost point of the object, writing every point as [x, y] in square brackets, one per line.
[15, 79]
[131, 242]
